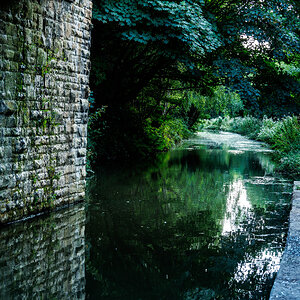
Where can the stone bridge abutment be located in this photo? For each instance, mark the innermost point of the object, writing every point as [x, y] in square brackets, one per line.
[44, 77]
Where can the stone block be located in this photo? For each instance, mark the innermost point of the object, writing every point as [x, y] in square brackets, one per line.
[7, 107]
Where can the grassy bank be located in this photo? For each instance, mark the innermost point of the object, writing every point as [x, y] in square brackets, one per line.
[283, 136]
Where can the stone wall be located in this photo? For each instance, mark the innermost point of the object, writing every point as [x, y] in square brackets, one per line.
[44, 74]
[287, 282]
[46, 257]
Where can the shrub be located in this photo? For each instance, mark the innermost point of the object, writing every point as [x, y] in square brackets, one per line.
[228, 124]
[96, 129]
[213, 124]
[248, 126]
[290, 164]
[223, 102]
[268, 130]
[287, 136]
[168, 134]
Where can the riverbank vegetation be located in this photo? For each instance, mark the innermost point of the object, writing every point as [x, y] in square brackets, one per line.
[282, 135]
[160, 67]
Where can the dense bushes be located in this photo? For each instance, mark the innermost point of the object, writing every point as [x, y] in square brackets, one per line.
[167, 134]
[160, 116]
[118, 133]
[290, 163]
[283, 136]
[222, 102]
[248, 126]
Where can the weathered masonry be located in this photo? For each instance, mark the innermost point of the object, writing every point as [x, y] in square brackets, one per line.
[44, 74]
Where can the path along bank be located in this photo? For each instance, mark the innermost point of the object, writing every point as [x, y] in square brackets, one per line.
[287, 282]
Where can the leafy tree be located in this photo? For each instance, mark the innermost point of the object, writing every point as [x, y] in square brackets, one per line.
[224, 39]
[142, 39]
[147, 54]
[257, 34]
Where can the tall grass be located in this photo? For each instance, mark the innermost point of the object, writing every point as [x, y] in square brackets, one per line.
[283, 136]
[287, 136]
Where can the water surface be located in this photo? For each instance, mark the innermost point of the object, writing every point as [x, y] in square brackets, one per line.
[208, 220]
[44, 257]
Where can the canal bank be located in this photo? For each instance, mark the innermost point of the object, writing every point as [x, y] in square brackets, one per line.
[287, 282]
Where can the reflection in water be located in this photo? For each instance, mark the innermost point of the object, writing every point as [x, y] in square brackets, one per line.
[237, 206]
[44, 258]
[202, 224]
[266, 261]
[263, 264]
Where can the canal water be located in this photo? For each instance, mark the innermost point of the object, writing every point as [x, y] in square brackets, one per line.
[208, 220]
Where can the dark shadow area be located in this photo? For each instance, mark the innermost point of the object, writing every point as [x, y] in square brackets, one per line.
[4, 4]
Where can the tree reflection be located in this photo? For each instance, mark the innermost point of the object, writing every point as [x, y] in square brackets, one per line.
[161, 233]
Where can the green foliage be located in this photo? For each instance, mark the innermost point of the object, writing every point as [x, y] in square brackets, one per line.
[283, 136]
[290, 164]
[256, 39]
[162, 115]
[168, 134]
[166, 23]
[222, 103]
[233, 43]
[268, 130]
[279, 88]
[157, 64]
[249, 126]
[291, 69]
[287, 136]
[96, 128]
[120, 133]
[213, 124]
